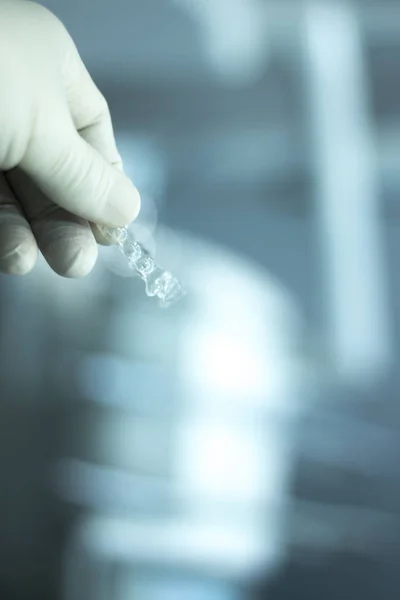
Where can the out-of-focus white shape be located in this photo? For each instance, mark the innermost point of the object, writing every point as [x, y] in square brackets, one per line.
[228, 464]
[352, 262]
[241, 391]
[236, 351]
[176, 542]
[235, 36]
[227, 363]
[167, 586]
[232, 349]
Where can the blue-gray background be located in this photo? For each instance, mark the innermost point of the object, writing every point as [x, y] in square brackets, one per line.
[221, 112]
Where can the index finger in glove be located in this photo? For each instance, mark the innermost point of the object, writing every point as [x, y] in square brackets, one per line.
[91, 117]
[89, 110]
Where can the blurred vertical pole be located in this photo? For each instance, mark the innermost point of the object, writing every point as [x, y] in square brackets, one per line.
[347, 191]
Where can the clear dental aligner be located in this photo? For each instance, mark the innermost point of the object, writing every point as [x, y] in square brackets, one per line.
[158, 282]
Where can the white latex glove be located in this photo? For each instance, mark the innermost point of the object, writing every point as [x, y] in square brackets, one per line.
[59, 166]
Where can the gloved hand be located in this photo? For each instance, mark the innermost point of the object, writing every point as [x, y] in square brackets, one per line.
[60, 169]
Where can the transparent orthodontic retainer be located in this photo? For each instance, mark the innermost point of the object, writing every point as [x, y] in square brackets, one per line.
[159, 283]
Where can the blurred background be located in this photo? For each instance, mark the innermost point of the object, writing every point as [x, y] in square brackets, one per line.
[243, 444]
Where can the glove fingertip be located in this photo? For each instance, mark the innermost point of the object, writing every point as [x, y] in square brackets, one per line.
[18, 251]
